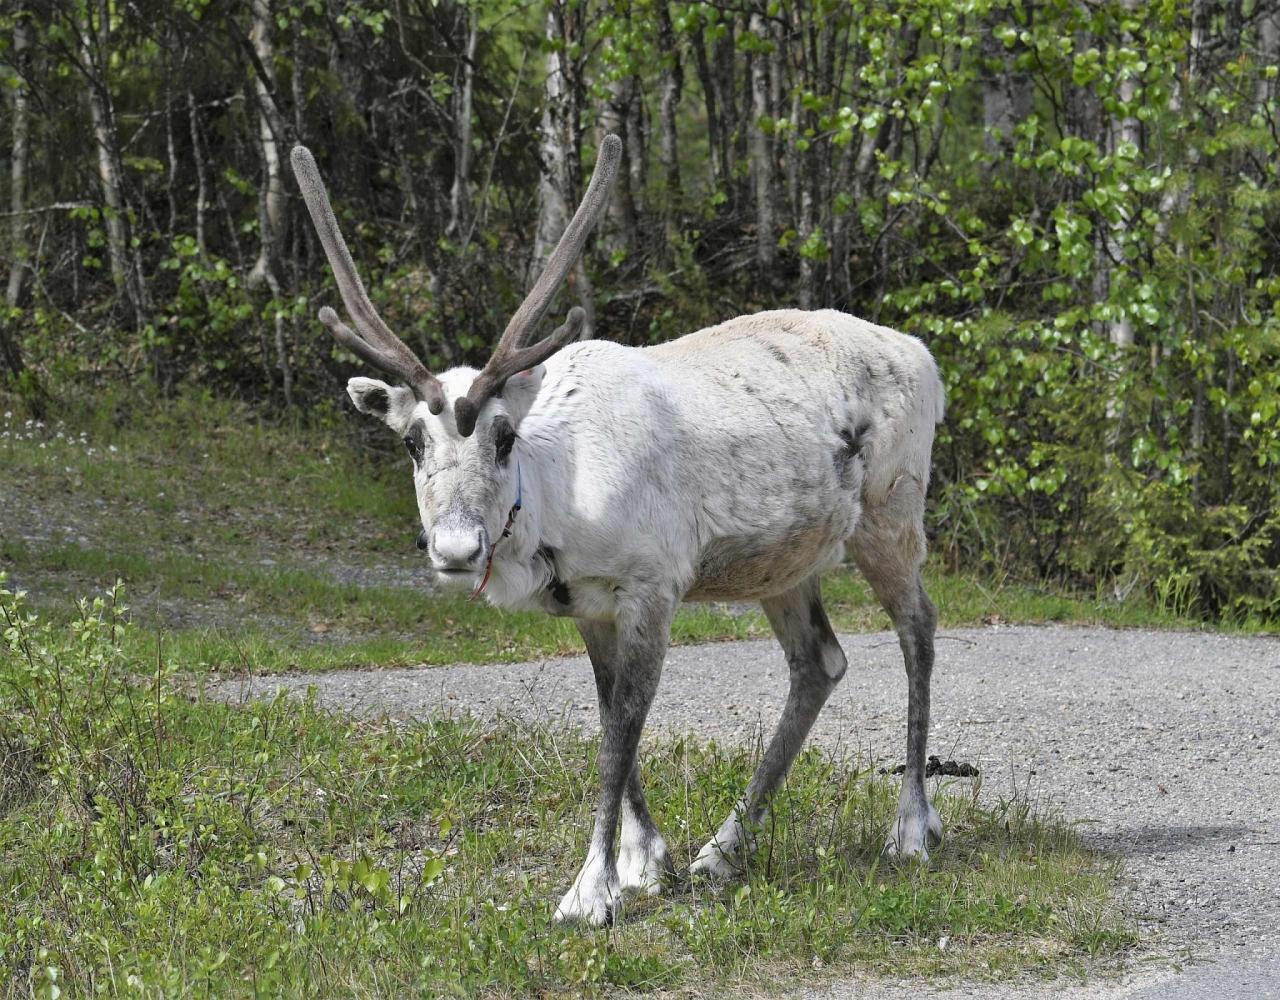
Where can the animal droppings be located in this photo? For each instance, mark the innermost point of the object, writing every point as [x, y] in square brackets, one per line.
[935, 767]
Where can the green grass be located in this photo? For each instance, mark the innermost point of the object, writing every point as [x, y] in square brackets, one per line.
[153, 841]
[269, 547]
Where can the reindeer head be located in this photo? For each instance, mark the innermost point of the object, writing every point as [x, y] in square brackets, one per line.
[460, 429]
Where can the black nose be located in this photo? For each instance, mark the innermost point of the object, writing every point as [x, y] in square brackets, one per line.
[422, 541]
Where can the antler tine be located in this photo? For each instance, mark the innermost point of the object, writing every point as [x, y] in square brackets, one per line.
[375, 344]
[510, 356]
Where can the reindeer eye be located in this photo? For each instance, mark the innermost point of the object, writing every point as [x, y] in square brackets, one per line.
[413, 442]
[504, 438]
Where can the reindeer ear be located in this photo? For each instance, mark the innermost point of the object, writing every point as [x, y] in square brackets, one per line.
[392, 404]
[521, 390]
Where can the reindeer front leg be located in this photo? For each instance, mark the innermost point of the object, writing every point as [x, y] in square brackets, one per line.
[644, 863]
[643, 630]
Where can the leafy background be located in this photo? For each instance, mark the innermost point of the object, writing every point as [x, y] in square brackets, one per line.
[1074, 205]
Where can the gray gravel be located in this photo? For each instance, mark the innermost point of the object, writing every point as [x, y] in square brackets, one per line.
[1162, 744]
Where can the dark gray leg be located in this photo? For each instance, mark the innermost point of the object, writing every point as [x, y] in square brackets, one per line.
[889, 550]
[817, 663]
[643, 630]
[644, 863]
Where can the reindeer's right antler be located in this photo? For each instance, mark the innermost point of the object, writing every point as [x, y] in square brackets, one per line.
[375, 343]
[510, 356]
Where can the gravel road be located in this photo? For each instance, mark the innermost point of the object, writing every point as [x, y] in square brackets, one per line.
[1163, 744]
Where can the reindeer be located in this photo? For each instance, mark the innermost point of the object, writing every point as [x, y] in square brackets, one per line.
[609, 484]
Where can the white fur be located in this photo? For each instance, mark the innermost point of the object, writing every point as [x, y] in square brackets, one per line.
[724, 856]
[595, 898]
[643, 862]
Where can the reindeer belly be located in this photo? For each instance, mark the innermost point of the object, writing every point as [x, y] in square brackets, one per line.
[747, 567]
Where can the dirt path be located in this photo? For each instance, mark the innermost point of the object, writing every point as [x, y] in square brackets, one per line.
[1163, 745]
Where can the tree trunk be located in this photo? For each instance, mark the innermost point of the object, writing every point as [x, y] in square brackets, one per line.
[1126, 131]
[9, 350]
[715, 128]
[615, 118]
[557, 148]
[1268, 50]
[171, 149]
[761, 152]
[637, 155]
[125, 274]
[202, 184]
[301, 246]
[271, 196]
[808, 225]
[793, 163]
[670, 88]
[460, 192]
[553, 148]
[1006, 93]
[1173, 202]
[841, 224]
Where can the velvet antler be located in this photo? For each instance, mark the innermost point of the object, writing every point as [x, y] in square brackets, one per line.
[510, 356]
[374, 344]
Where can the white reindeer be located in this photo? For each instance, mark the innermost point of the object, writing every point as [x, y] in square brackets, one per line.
[610, 483]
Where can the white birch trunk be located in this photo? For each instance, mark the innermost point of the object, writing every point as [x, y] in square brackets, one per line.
[271, 196]
[553, 142]
[271, 192]
[1268, 49]
[671, 86]
[9, 351]
[1126, 131]
[18, 169]
[1006, 94]
[557, 145]
[620, 234]
[125, 273]
[202, 188]
[760, 151]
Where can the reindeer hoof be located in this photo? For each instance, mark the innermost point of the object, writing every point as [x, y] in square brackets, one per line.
[593, 905]
[645, 869]
[718, 862]
[913, 833]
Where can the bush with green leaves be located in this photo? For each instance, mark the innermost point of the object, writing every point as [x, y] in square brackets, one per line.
[1101, 297]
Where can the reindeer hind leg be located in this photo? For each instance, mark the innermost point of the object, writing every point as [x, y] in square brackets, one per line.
[889, 549]
[816, 664]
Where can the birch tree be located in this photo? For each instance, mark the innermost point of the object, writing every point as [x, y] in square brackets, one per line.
[1125, 137]
[670, 87]
[271, 196]
[558, 147]
[460, 190]
[18, 245]
[761, 145]
[1006, 92]
[93, 32]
